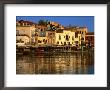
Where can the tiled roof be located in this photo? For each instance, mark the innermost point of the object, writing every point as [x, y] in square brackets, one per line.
[90, 33]
[28, 22]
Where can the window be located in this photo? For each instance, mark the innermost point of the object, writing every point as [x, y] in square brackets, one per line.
[57, 42]
[50, 33]
[36, 34]
[22, 41]
[39, 41]
[17, 32]
[79, 38]
[72, 37]
[76, 34]
[67, 37]
[59, 37]
[83, 38]
[76, 42]
[43, 40]
[64, 43]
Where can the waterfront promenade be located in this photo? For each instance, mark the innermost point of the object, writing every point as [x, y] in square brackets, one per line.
[52, 49]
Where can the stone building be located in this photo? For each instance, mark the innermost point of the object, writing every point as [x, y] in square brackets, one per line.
[40, 35]
[43, 35]
[26, 28]
[50, 34]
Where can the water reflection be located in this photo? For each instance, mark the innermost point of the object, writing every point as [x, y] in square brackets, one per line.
[59, 63]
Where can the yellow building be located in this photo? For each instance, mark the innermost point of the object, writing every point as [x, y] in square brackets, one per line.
[67, 37]
[82, 31]
[42, 41]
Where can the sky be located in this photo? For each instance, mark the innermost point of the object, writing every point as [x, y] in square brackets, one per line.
[86, 21]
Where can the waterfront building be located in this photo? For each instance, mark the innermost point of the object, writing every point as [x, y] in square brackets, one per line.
[77, 34]
[63, 37]
[23, 39]
[82, 31]
[77, 39]
[40, 35]
[79, 30]
[89, 39]
[67, 37]
[26, 28]
[50, 34]
[42, 41]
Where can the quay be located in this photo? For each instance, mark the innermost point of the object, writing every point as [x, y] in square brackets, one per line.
[50, 49]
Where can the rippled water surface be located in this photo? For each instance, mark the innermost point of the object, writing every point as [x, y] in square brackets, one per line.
[57, 63]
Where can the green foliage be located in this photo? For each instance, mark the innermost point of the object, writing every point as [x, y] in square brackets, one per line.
[42, 22]
[47, 24]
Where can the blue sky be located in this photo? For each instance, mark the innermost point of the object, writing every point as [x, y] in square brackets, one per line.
[80, 21]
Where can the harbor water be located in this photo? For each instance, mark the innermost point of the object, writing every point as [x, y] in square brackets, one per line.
[55, 63]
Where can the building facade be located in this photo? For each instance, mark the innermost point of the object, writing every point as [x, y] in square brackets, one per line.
[23, 39]
[67, 37]
[89, 39]
[40, 35]
[60, 36]
[26, 28]
[50, 34]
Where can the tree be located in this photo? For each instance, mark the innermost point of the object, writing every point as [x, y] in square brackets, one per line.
[42, 22]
